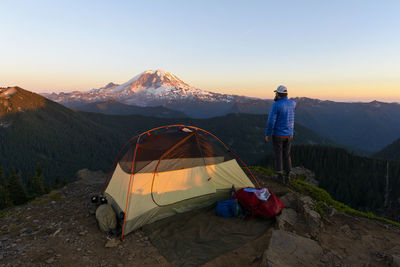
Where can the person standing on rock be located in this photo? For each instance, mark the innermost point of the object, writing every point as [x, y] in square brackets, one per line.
[280, 126]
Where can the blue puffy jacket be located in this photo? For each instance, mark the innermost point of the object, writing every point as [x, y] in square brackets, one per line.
[281, 118]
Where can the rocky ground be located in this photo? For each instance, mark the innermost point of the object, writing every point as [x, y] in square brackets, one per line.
[60, 230]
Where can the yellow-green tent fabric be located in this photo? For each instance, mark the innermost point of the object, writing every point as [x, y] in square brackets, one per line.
[169, 170]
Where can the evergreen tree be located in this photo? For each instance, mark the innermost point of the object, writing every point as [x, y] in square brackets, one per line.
[16, 189]
[58, 182]
[37, 186]
[357, 181]
[28, 186]
[2, 178]
[64, 182]
[4, 197]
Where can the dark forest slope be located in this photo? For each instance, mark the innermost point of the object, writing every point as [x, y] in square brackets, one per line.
[392, 151]
[357, 181]
[61, 140]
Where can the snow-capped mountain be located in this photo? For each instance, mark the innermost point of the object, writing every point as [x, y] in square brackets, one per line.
[150, 88]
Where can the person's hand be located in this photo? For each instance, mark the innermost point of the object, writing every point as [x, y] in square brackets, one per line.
[267, 139]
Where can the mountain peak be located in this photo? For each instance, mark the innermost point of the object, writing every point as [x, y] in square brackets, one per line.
[157, 72]
[16, 99]
[155, 79]
[149, 88]
[110, 84]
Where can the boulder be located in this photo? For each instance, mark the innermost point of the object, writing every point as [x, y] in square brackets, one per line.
[287, 217]
[288, 249]
[345, 229]
[89, 177]
[313, 219]
[112, 243]
[304, 174]
[106, 218]
[290, 200]
[396, 260]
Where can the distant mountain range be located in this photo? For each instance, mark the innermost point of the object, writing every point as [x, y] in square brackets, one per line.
[361, 127]
[150, 88]
[113, 107]
[366, 126]
[155, 88]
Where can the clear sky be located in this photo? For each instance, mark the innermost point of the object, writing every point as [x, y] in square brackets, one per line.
[340, 50]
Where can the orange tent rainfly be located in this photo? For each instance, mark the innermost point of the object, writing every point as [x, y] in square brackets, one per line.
[169, 170]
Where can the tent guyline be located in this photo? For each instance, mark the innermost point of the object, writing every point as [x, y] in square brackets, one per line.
[170, 169]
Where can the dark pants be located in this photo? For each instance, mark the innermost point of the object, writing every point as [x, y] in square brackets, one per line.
[281, 147]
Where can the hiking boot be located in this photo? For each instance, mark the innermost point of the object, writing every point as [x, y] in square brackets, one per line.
[286, 177]
[278, 177]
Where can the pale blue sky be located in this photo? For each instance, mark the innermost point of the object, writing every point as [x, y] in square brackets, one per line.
[340, 50]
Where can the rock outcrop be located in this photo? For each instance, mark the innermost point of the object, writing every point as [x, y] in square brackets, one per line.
[288, 249]
[304, 174]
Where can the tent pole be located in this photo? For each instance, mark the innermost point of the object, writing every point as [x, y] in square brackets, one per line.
[114, 163]
[129, 188]
[236, 156]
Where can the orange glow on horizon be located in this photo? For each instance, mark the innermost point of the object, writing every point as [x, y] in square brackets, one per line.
[324, 89]
[385, 92]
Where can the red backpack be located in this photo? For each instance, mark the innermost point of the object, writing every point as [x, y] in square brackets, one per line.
[257, 207]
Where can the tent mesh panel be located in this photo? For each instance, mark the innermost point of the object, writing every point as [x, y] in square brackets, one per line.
[177, 150]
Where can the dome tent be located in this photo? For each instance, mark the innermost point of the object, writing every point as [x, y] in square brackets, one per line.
[169, 170]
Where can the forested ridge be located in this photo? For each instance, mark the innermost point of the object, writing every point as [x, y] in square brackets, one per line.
[391, 151]
[59, 139]
[357, 181]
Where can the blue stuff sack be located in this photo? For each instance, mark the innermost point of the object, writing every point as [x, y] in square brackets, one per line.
[228, 208]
